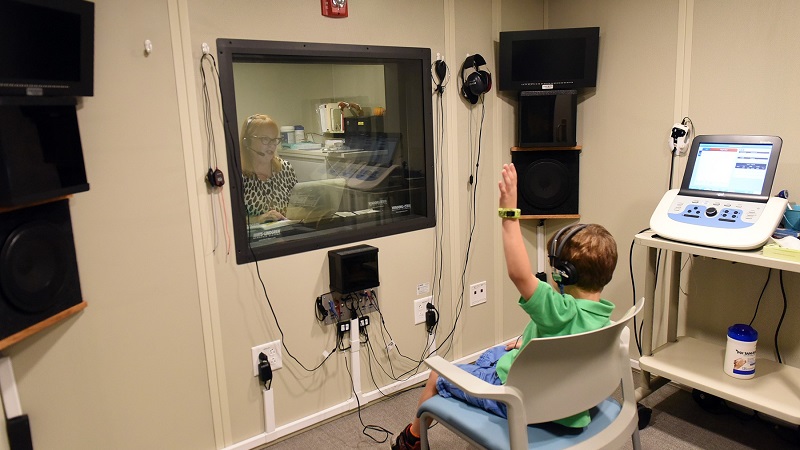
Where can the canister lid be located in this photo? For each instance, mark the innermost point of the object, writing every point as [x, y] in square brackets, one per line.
[742, 332]
[287, 128]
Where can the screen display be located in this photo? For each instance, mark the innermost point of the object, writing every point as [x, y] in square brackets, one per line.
[551, 59]
[562, 59]
[737, 168]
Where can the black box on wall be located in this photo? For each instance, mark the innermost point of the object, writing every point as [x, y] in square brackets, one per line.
[548, 118]
[41, 156]
[353, 268]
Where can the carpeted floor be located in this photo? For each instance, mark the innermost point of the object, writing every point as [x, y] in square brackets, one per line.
[678, 423]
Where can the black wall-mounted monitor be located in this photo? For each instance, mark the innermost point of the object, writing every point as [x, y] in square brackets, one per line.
[46, 48]
[554, 59]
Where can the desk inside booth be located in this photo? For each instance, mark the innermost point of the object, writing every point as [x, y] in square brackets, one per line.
[330, 205]
[357, 182]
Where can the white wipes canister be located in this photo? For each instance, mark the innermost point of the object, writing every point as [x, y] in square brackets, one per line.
[740, 353]
[287, 134]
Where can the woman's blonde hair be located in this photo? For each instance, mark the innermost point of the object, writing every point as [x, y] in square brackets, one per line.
[249, 127]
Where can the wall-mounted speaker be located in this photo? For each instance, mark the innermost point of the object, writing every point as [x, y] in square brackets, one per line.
[547, 181]
[38, 268]
[41, 156]
[547, 118]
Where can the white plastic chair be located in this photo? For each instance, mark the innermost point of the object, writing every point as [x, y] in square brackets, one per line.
[551, 378]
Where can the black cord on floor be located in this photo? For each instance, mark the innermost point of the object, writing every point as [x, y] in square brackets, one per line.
[358, 404]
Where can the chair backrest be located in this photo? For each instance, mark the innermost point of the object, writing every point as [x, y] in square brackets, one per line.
[565, 375]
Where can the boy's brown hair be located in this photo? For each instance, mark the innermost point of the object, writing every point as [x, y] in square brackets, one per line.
[593, 253]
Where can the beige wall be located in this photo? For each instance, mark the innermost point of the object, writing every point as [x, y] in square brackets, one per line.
[161, 357]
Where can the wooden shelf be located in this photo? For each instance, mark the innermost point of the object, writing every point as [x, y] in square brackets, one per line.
[550, 216]
[52, 320]
[541, 149]
[5, 209]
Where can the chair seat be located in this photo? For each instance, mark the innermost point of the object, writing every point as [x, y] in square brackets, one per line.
[491, 431]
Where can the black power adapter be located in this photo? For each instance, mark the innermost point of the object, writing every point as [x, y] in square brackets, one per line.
[431, 317]
[264, 371]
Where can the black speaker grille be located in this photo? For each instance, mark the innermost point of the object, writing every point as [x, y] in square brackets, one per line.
[34, 266]
[547, 182]
[38, 267]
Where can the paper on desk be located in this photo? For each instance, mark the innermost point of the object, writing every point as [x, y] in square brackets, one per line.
[788, 242]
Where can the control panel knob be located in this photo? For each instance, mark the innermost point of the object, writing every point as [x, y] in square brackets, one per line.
[711, 212]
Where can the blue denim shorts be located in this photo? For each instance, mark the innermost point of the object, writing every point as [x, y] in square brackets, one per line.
[484, 368]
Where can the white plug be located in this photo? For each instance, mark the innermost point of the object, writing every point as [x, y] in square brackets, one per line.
[679, 139]
[206, 48]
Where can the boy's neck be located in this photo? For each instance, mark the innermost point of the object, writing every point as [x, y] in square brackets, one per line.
[577, 292]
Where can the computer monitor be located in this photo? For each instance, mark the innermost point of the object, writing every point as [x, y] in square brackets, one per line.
[724, 199]
[733, 167]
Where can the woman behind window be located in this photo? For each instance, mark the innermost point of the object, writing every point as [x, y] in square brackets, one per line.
[267, 179]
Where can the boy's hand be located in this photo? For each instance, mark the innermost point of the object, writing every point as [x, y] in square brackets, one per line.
[513, 345]
[508, 186]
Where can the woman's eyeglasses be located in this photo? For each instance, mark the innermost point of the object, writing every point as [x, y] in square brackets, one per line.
[266, 140]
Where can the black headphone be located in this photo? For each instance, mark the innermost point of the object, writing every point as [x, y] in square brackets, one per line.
[478, 82]
[246, 129]
[564, 273]
[442, 75]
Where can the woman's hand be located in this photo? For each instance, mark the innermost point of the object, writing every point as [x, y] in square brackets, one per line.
[269, 216]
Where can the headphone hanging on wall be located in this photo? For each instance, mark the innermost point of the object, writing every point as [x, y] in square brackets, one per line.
[478, 82]
[440, 74]
[564, 273]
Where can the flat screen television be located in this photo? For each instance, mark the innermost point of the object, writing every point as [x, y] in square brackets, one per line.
[554, 59]
[46, 48]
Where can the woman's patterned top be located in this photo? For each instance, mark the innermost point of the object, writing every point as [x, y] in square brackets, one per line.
[273, 194]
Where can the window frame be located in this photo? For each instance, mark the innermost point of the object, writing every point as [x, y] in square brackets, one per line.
[231, 51]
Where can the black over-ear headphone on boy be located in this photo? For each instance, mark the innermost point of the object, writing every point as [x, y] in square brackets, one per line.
[564, 273]
[478, 82]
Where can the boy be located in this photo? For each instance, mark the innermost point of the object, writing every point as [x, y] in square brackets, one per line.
[583, 258]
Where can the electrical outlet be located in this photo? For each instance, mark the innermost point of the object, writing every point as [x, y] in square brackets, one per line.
[363, 322]
[477, 293]
[273, 352]
[343, 328]
[420, 308]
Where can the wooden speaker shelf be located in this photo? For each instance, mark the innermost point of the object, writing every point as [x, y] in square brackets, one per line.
[539, 149]
[52, 320]
[553, 216]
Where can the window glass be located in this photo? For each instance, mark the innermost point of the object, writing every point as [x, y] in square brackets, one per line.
[327, 144]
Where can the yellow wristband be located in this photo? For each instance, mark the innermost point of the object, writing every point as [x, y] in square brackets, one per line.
[508, 213]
